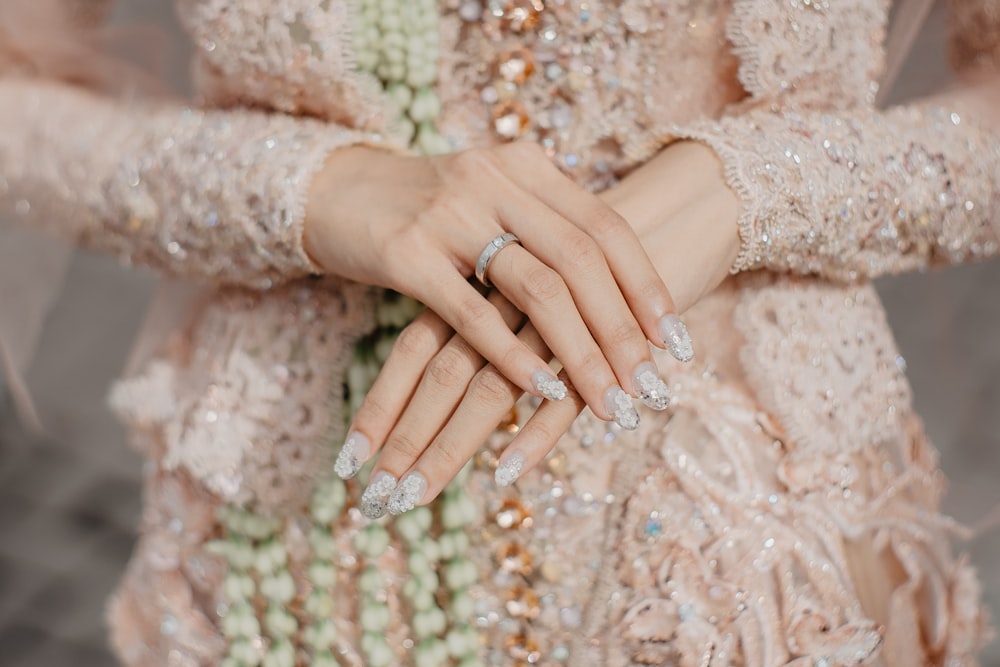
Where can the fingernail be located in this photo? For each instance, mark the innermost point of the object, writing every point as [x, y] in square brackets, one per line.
[509, 469]
[650, 386]
[352, 455]
[619, 404]
[548, 385]
[408, 493]
[675, 336]
[374, 501]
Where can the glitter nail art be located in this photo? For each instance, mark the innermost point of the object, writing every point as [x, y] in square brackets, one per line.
[650, 386]
[352, 455]
[509, 469]
[408, 493]
[549, 386]
[619, 404]
[675, 336]
[374, 501]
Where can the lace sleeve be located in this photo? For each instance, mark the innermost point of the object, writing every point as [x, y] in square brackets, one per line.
[851, 192]
[217, 195]
[859, 193]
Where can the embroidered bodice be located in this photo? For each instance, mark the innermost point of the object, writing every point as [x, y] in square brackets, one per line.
[235, 408]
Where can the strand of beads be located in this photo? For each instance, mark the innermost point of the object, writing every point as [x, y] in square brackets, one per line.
[372, 542]
[429, 620]
[398, 42]
[250, 548]
[320, 637]
[458, 513]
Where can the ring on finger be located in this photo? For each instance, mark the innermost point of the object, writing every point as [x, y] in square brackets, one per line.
[489, 252]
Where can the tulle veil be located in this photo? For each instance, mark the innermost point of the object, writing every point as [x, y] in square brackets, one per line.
[70, 40]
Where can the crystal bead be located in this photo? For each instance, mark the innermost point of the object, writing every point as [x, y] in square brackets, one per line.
[510, 120]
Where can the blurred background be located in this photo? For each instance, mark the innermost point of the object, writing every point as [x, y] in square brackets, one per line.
[70, 501]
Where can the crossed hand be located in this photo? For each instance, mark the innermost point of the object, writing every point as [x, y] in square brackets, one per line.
[565, 275]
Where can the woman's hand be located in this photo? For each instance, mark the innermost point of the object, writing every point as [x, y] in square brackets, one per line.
[436, 400]
[418, 225]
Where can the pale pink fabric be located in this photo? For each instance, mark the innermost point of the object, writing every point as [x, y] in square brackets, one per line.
[786, 513]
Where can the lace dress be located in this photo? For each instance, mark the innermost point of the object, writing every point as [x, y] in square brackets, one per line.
[782, 512]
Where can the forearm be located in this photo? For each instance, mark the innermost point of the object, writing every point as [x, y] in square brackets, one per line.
[217, 195]
[857, 194]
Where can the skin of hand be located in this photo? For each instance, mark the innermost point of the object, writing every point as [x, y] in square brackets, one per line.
[418, 224]
[440, 399]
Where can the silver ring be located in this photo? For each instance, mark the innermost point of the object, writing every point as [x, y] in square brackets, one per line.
[489, 252]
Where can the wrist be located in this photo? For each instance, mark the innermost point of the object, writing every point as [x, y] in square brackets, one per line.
[328, 207]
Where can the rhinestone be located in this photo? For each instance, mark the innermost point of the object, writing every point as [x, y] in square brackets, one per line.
[510, 120]
[516, 65]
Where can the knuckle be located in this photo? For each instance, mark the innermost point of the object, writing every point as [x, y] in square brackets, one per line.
[592, 364]
[605, 223]
[491, 388]
[403, 447]
[372, 409]
[447, 454]
[448, 368]
[624, 333]
[543, 285]
[415, 342]
[474, 314]
[584, 252]
[544, 431]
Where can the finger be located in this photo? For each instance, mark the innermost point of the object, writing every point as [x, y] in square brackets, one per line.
[537, 437]
[489, 398]
[542, 295]
[385, 401]
[643, 288]
[580, 263]
[440, 391]
[479, 322]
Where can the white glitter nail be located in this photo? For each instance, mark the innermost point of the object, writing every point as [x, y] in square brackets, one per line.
[619, 404]
[352, 455]
[675, 336]
[374, 501]
[651, 388]
[509, 469]
[408, 493]
[549, 385]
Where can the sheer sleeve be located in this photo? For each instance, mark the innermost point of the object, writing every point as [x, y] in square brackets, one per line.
[858, 192]
[212, 194]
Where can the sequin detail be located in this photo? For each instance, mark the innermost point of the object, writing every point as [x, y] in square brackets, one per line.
[860, 193]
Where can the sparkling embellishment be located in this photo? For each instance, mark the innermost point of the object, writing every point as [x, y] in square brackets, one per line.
[407, 494]
[510, 120]
[549, 386]
[352, 455]
[675, 336]
[510, 469]
[516, 66]
[374, 501]
[619, 404]
[651, 388]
